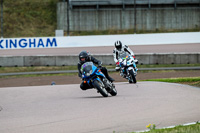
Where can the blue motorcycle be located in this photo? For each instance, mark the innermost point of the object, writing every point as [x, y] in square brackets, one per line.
[96, 79]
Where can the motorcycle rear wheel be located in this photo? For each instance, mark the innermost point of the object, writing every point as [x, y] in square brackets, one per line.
[98, 85]
[113, 91]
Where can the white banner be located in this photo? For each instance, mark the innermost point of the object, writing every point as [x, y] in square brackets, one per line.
[99, 40]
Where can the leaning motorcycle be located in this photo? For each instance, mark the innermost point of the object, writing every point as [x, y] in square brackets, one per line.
[127, 67]
[96, 79]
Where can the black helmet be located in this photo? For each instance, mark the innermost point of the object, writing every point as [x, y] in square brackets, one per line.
[83, 56]
[118, 45]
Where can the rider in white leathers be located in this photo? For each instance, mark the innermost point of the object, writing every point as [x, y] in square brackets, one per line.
[119, 49]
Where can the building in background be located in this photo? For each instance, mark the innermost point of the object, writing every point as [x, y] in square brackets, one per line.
[137, 15]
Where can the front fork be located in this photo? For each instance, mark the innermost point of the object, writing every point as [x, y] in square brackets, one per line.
[131, 69]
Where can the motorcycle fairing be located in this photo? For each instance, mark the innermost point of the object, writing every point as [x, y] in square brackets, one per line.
[95, 74]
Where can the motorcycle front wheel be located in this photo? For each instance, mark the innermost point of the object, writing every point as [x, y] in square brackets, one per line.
[132, 77]
[99, 86]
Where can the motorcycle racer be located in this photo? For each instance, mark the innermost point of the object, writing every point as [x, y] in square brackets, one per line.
[119, 49]
[85, 56]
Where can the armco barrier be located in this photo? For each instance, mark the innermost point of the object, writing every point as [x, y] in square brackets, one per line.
[171, 58]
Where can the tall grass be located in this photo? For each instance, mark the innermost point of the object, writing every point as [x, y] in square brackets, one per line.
[29, 18]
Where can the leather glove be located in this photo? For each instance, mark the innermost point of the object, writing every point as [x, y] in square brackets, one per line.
[99, 67]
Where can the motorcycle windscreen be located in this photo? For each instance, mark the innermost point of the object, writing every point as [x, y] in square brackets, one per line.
[124, 55]
[86, 67]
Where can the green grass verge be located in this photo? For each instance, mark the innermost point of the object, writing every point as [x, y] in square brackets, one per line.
[195, 128]
[36, 68]
[56, 68]
[194, 81]
[168, 65]
[39, 75]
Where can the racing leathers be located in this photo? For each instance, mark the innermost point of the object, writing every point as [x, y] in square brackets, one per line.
[84, 86]
[117, 53]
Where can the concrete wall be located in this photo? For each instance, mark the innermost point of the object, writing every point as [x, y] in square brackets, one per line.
[117, 2]
[124, 19]
[10, 61]
[168, 19]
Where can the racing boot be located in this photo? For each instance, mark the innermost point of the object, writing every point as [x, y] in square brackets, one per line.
[105, 72]
[110, 79]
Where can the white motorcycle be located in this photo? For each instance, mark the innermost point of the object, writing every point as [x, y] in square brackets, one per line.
[128, 68]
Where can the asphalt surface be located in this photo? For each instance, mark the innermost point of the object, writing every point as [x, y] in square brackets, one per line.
[67, 109]
[137, 49]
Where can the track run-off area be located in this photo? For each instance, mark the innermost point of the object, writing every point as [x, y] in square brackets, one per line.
[68, 109]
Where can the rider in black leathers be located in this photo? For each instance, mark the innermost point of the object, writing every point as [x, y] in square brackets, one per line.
[86, 57]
